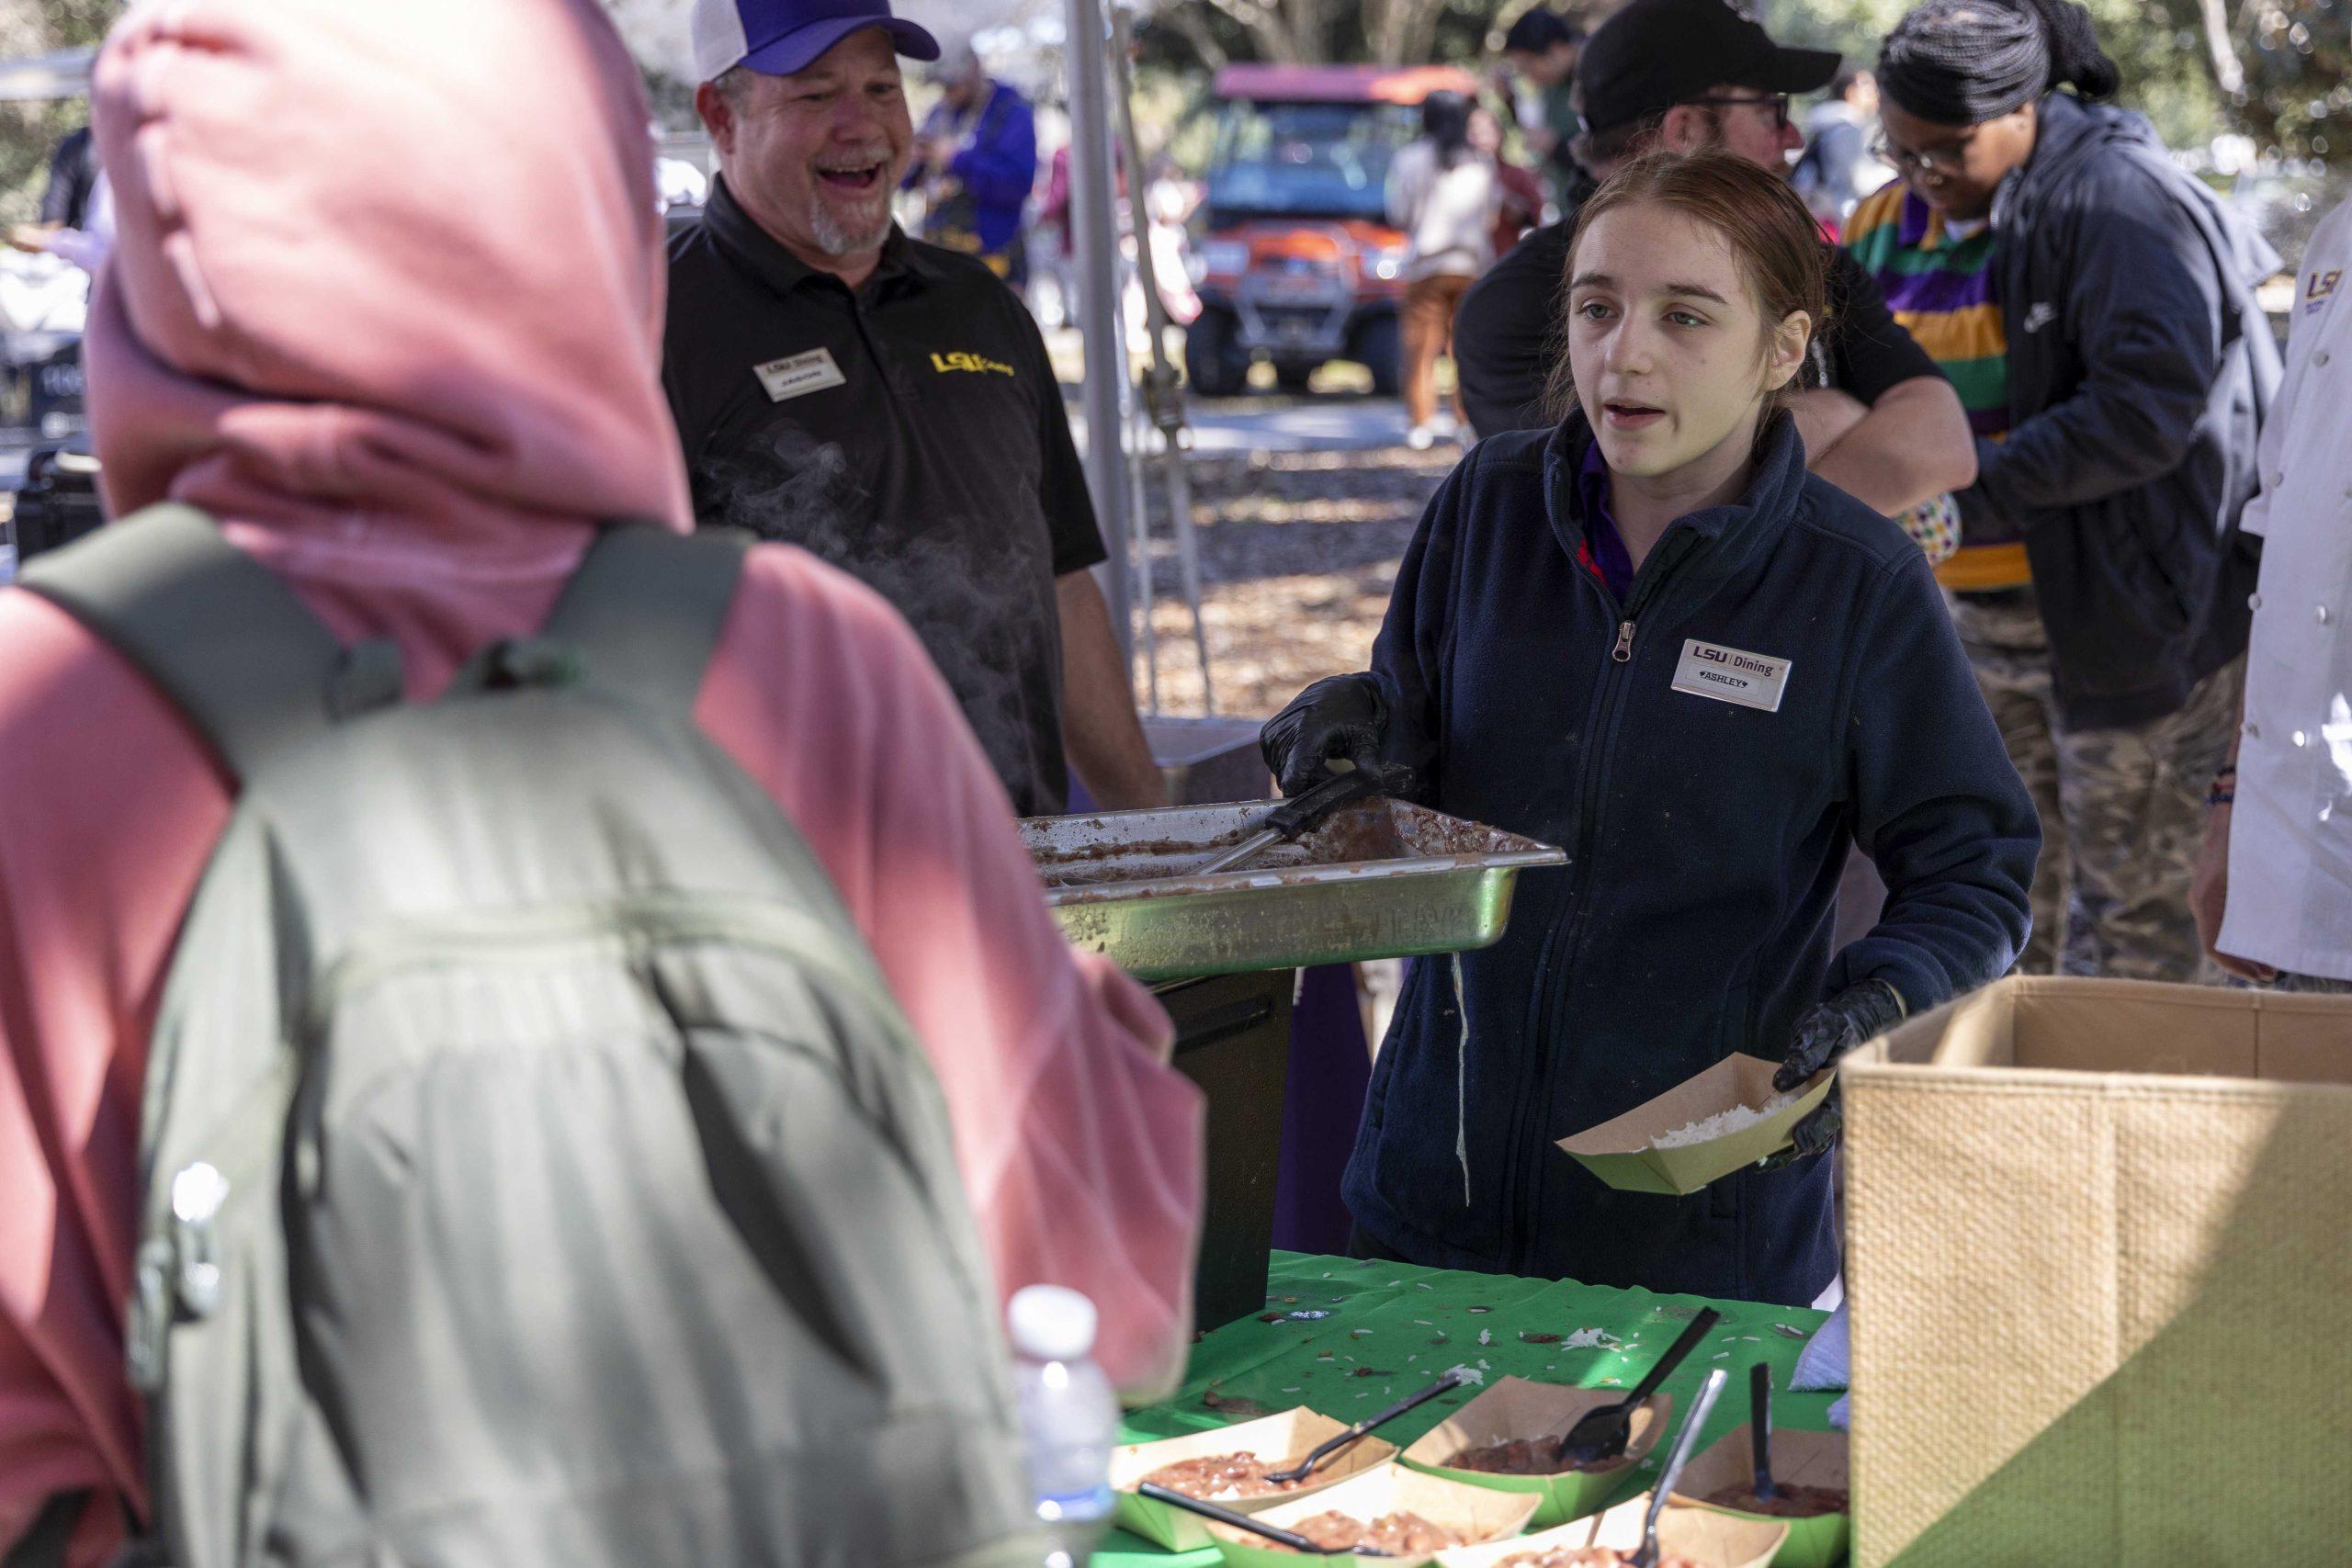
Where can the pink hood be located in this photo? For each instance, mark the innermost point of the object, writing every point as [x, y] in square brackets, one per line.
[393, 271]
[387, 301]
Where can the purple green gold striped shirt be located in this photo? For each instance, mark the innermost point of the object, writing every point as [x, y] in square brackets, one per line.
[1940, 287]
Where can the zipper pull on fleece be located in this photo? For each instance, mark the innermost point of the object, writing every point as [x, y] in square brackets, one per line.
[1623, 652]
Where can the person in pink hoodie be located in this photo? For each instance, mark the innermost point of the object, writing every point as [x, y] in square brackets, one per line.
[387, 301]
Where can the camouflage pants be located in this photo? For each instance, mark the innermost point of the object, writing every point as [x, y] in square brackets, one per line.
[2307, 985]
[2122, 810]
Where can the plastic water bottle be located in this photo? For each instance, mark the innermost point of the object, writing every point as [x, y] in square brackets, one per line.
[1069, 1418]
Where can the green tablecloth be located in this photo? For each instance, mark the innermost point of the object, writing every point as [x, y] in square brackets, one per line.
[1390, 1328]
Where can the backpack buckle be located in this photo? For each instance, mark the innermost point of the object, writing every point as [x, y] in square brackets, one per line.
[175, 1272]
[197, 1192]
[151, 1316]
[526, 661]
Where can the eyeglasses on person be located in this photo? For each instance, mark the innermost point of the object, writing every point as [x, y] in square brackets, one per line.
[1934, 165]
[1776, 102]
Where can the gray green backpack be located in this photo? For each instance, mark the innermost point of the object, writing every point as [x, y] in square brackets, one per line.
[536, 1169]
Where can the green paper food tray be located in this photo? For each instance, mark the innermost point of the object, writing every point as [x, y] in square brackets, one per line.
[1514, 1409]
[1621, 1151]
[1710, 1538]
[1284, 1438]
[1807, 1459]
[1478, 1511]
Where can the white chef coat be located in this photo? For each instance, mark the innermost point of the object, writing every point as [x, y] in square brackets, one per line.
[2290, 835]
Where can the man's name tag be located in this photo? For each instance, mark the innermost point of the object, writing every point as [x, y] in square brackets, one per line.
[1751, 679]
[799, 374]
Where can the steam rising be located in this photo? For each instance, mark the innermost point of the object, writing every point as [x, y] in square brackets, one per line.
[978, 591]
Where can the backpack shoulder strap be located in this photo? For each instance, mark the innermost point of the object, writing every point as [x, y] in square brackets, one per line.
[47, 1542]
[646, 607]
[215, 630]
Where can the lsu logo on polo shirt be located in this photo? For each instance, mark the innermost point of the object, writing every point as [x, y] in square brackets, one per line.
[973, 364]
[2321, 288]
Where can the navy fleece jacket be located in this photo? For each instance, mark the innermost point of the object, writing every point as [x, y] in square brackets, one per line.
[1705, 839]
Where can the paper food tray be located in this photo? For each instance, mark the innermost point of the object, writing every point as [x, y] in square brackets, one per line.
[1702, 1535]
[1478, 1511]
[1807, 1459]
[1515, 1407]
[1619, 1151]
[1284, 1439]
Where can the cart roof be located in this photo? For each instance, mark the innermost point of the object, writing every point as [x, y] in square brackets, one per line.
[1341, 83]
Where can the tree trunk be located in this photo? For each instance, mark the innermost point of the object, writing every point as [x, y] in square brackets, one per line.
[2227, 73]
[1196, 32]
[1269, 26]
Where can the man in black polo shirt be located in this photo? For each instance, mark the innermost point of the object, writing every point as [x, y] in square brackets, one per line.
[885, 403]
[1678, 75]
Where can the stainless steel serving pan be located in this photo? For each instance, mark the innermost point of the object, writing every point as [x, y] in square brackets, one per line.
[1381, 879]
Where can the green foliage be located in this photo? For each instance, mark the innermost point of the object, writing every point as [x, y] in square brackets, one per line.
[2293, 59]
[2298, 61]
[2158, 44]
[27, 131]
[2289, 60]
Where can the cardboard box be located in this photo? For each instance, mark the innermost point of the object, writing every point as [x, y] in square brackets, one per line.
[2099, 1248]
[1280, 1439]
[1478, 1512]
[1619, 1151]
[1801, 1459]
[1515, 1407]
[1710, 1538]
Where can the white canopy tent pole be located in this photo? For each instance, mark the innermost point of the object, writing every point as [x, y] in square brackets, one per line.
[1099, 315]
[1162, 398]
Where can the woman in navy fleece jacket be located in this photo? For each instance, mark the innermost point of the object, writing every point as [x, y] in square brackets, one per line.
[1649, 635]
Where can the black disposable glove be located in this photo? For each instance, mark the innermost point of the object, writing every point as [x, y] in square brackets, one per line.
[1826, 1032]
[1811, 1136]
[1857, 1013]
[1337, 717]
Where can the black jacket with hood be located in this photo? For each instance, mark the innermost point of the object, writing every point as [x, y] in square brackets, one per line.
[2139, 367]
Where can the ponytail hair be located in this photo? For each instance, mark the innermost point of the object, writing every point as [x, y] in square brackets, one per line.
[1965, 62]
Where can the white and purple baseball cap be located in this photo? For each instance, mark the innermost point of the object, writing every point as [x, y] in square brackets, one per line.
[777, 37]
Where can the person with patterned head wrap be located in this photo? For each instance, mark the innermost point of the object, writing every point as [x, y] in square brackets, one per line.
[2094, 308]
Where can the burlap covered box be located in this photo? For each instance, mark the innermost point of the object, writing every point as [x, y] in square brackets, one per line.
[2100, 1246]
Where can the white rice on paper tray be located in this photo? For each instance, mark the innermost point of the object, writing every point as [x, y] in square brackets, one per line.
[1724, 1123]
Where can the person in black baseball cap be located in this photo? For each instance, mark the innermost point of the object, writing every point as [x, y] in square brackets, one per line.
[1679, 75]
[1656, 56]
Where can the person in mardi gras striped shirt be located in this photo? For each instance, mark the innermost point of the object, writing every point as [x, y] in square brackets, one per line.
[1937, 273]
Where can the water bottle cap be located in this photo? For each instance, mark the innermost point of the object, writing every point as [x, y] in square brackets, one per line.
[1051, 1322]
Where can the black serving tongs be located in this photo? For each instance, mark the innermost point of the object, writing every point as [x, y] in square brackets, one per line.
[1324, 1450]
[1275, 1533]
[1299, 814]
[1601, 1434]
[1671, 1476]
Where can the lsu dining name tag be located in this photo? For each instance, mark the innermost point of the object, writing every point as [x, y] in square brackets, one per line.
[1728, 675]
[798, 374]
